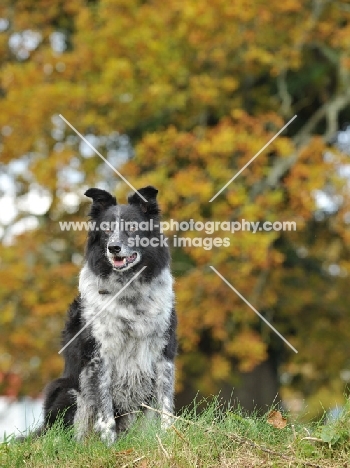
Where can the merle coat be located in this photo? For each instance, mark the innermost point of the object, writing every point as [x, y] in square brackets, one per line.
[123, 356]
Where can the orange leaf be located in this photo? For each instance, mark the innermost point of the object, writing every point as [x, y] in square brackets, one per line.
[276, 419]
[125, 452]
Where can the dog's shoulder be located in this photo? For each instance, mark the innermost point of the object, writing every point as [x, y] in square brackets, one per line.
[82, 347]
[73, 322]
[170, 348]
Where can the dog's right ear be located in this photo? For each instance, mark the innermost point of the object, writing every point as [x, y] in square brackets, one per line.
[101, 200]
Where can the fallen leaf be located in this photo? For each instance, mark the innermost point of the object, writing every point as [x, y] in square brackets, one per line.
[125, 452]
[276, 419]
[144, 464]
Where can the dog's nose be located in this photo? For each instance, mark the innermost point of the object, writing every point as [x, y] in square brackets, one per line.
[115, 247]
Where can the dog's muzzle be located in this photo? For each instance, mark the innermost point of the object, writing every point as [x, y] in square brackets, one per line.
[119, 261]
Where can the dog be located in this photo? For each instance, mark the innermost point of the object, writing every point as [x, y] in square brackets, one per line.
[120, 331]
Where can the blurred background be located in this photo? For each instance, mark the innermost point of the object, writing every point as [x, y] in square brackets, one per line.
[181, 95]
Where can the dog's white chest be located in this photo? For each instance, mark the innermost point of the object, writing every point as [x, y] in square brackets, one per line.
[130, 331]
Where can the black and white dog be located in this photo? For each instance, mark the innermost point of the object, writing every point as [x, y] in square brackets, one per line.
[125, 356]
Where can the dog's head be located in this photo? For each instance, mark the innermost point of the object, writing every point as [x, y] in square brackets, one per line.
[123, 236]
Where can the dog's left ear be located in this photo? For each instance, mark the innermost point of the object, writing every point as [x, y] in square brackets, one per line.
[150, 194]
[101, 200]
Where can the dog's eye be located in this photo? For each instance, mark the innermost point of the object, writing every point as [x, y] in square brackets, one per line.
[133, 227]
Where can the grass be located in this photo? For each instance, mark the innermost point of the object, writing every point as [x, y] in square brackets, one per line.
[216, 437]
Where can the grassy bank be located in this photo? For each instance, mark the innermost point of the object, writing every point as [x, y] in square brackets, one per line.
[215, 438]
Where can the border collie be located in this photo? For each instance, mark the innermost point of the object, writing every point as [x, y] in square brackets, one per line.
[124, 357]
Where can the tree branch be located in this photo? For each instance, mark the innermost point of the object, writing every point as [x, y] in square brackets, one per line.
[329, 111]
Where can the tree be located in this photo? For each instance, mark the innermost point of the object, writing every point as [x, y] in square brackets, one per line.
[198, 90]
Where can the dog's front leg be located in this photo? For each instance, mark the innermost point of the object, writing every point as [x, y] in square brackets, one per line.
[105, 423]
[94, 402]
[86, 399]
[165, 391]
[165, 381]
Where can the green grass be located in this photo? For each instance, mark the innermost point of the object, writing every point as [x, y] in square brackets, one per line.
[216, 437]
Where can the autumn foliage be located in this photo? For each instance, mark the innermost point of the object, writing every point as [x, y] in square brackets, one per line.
[189, 92]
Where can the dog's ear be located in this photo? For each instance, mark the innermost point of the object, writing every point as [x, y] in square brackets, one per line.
[150, 194]
[101, 200]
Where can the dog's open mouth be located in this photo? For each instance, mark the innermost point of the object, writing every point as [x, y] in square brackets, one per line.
[122, 262]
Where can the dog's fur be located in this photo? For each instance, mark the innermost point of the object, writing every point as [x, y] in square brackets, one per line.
[125, 357]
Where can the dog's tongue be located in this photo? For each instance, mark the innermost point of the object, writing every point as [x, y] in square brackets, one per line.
[117, 262]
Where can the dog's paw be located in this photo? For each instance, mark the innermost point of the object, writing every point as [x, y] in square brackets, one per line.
[109, 436]
[106, 429]
[166, 421]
